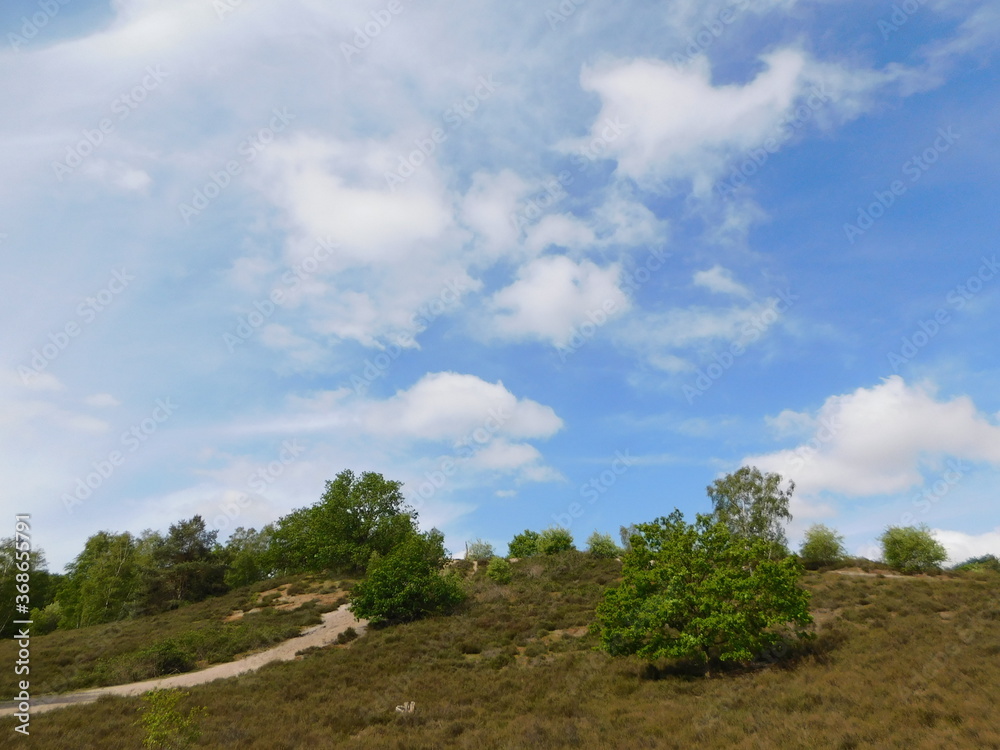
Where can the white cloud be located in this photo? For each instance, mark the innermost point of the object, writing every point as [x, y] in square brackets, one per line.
[102, 400]
[720, 280]
[878, 440]
[962, 546]
[553, 295]
[679, 126]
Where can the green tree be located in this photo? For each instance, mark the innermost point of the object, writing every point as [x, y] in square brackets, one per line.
[245, 555]
[101, 582]
[821, 546]
[524, 544]
[555, 539]
[912, 549]
[602, 545]
[11, 559]
[499, 570]
[356, 517]
[700, 592]
[479, 550]
[753, 506]
[407, 583]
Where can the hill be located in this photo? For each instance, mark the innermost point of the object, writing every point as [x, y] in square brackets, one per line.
[898, 662]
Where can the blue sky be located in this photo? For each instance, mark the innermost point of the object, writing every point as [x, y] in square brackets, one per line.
[541, 262]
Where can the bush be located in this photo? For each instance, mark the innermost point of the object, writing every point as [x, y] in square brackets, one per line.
[702, 592]
[555, 539]
[524, 544]
[407, 583]
[602, 545]
[985, 562]
[912, 549]
[165, 726]
[499, 570]
[479, 550]
[46, 620]
[822, 546]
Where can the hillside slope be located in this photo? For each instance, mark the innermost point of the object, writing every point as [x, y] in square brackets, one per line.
[912, 662]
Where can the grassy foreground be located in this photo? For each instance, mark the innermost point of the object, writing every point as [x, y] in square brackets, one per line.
[909, 663]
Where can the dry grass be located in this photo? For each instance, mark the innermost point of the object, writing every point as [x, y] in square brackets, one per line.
[512, 669]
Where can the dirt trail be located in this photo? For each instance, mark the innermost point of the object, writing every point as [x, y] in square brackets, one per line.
[334, 623]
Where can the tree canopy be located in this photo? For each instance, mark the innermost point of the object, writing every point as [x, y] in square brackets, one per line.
[701, 592]
[753, 506]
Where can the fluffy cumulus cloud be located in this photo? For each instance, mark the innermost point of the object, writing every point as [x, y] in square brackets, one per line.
[675, 124]
[962, 546]
[880, 440]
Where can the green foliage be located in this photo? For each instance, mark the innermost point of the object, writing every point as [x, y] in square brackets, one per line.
[984, 562]
[753, 506]
[407, 583]
[10, 559]
[625, 534]
[555, 539]
[912, 549]
[246, 556]
[102, 582]
[602, 545]
[164, 724]
[499, 570]
[480, 550]
[47, 619]
[700, 592]
[356, 517]
[821, 546]
[524, 544]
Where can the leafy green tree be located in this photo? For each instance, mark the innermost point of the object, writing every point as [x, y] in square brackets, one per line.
[912, 549]
[555, 539]
[753, 506]
[10, 557]
[602, 545]
[245, 555]
[101, 582]
[524, 544]
[479, 550]
[189, 564]
[700, 592]
[407, 583]
[821, 546]
[499, 570]
[356, 517]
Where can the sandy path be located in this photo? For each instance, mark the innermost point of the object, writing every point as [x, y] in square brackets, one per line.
[334, 623]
